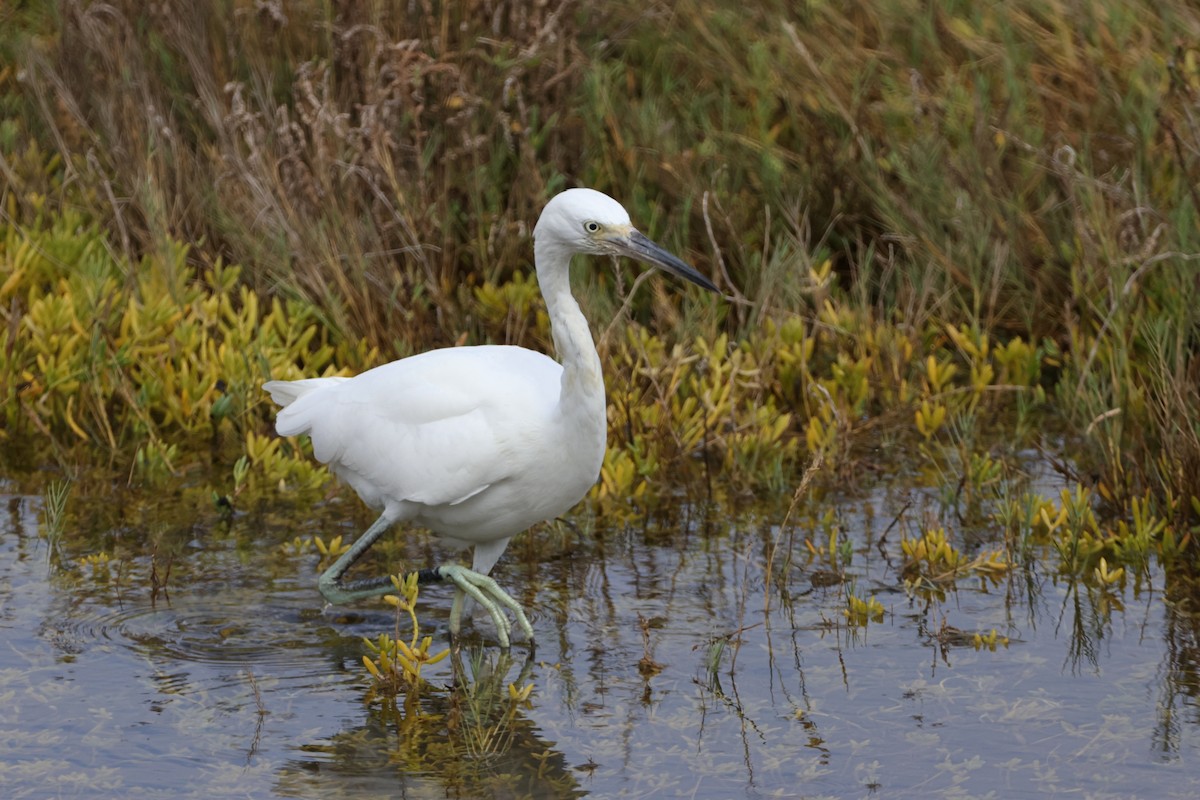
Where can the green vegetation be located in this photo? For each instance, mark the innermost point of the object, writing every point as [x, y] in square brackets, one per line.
[394, 663]
[951, 230]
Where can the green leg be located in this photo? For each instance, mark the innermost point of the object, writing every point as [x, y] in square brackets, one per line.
[468, 583]
[330, 583]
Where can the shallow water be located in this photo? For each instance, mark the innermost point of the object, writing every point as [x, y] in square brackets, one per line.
[659, 671]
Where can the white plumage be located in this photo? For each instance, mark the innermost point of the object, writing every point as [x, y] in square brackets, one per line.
[477, 443]
[457, 441]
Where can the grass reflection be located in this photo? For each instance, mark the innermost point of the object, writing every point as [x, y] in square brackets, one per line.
[471, 737]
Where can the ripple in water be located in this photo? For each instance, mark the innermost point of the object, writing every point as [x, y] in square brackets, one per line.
[221, 628]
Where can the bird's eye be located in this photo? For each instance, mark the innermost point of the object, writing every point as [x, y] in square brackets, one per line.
[591, 226]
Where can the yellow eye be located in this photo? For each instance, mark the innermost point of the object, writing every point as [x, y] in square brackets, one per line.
[591, 226]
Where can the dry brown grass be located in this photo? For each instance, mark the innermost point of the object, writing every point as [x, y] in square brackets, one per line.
[1028, 169]
[373, 156]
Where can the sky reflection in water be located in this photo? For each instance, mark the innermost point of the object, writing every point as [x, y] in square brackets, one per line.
[236, 684]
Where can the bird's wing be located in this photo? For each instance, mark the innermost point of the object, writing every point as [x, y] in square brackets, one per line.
[435, 429]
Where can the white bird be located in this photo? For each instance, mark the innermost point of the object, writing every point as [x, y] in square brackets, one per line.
[476, 444]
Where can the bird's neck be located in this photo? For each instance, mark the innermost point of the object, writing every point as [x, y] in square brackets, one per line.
[582, 380]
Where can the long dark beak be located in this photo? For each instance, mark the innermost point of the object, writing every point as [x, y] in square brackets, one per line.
[637, 246]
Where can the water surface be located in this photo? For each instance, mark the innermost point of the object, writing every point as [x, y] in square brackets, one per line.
[200, 663]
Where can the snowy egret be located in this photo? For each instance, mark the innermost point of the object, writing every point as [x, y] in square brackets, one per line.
[476, 444]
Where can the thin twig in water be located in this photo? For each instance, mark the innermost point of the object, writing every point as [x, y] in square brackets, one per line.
[262, 714]
[809, 473]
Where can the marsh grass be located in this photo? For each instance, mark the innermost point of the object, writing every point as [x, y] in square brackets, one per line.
[55, 510]
[931, 222]
[394, 662]
[355, 154]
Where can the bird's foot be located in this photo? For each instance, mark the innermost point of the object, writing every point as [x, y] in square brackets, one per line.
[485, 591]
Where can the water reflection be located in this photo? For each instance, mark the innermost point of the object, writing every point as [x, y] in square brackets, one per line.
[670, 662]
[1178, 702]
[475, 739]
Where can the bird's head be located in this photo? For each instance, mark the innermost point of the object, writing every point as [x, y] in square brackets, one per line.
[587, 221]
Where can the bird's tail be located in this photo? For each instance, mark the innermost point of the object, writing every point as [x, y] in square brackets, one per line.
[297, 418]
[285, 393]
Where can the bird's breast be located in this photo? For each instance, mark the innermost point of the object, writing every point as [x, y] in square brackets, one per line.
[550, 470]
